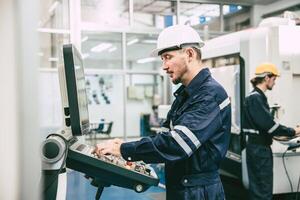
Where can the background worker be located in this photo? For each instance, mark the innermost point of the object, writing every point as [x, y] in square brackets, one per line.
[260, 127]
[198, 123]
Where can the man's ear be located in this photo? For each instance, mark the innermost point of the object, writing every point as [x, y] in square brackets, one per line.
[190, 52]
[266, 78]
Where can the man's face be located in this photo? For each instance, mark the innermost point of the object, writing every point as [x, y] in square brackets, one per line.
[270, 82]
[174, 63]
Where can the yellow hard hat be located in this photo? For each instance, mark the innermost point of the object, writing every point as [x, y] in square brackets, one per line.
[266, 68]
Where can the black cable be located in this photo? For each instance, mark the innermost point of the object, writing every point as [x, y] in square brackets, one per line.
[99, 192]
[287, 174]
[298, 188]
[63, 163]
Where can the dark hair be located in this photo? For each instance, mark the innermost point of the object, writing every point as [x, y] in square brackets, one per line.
[154, 107]
[199, 54]
[257, 80]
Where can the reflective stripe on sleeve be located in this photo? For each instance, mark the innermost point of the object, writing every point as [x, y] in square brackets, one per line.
[273, 128]
[165, 129]
[189, 134]
[250, 131]
[225, 103]
[181, 143]
[171, 125]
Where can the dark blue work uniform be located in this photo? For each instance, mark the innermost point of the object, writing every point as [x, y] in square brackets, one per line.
[194, 143]
[260, 127]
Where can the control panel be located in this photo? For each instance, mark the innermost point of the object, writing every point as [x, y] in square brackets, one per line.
[109, 169]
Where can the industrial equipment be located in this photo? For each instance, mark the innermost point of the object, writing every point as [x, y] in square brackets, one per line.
[233, 58]
[63, 149]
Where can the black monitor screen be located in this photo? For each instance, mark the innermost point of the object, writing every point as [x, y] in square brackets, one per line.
[77, 98]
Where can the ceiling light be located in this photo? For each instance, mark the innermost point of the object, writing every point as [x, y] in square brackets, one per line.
[53, 6]
[41, 54]
[149, 41]
[101, 47]
[85, 55]
[84, 39]
[146, 60]
[53, 59]
[131, 42]
[112, 49]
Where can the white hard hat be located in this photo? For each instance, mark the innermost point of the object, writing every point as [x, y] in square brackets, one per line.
[175, 37]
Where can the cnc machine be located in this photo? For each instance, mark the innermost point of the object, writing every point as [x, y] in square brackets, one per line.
[233, 58]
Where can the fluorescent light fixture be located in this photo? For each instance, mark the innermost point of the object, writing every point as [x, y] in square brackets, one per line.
[146, 60]
[149, 41]
[41, 54]
[40, 23]
[77, 67]
[84, 39]
[85, 55]
[53, 30]
[112, 49]
[101, 47]
[53, 59]
[131, 42]
[53, 6]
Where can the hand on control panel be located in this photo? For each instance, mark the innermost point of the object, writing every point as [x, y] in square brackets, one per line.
[109, 147]
[297, 130]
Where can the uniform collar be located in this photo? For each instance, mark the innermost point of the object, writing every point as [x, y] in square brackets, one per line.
[197, 81]
[194, 84]
[260, 92]
[180, 91]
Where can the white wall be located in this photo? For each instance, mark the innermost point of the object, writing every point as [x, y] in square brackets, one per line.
[113, 111]
[135, 108]
[9, 172]
[19, 144]
[49, 103]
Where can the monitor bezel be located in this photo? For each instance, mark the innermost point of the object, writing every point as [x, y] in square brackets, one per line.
[78, 127]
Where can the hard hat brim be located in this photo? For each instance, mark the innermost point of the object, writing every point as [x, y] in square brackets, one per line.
[155, 52]
[265, 74]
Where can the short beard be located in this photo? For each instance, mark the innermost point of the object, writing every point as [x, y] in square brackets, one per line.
[175, 82]
[269, 88]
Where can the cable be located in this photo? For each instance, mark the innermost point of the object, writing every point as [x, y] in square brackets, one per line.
[283, 160]
[63, 163]
[298, 188]
[99, 192]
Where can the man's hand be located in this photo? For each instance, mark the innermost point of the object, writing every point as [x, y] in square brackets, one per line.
[109, 147]
[297, 130]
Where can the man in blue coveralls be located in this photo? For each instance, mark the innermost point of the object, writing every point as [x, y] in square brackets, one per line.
[197, 128]
[260, 127]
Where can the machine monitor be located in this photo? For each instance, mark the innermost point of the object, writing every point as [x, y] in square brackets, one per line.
[76, 92]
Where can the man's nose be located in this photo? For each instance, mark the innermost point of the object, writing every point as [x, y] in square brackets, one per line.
[164, 66]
